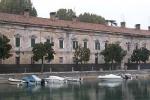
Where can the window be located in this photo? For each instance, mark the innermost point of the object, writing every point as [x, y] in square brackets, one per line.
[60, 60]
[17, 41]
[128, 46]
[144, 45]
[17, 60]
[97, 45]
[61, 44]
[48, 40]
[74, 60]
[96, 58]
[32, 42]
[75, 44]
[32, 60]
[136, 45]
[85, 44]
[106, 43]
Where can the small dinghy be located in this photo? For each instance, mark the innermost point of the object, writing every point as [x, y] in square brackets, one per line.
[15, 81]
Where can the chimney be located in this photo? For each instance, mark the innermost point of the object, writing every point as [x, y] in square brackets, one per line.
[137, 26]
[53, 15]
[26, 13]
[149, 28]
[123, 24]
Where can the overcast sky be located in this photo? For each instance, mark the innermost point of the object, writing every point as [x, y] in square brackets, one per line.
[131, 11]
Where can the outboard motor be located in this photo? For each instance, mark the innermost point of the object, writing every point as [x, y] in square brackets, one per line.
[42, 82]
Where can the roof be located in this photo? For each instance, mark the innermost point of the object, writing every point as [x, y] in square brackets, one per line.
[21, 19]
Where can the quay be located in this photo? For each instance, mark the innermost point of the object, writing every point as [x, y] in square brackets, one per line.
[85, 75]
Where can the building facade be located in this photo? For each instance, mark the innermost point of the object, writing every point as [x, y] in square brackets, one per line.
[24, 31]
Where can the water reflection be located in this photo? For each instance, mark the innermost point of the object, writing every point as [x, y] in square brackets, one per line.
[126, 90]
[110, 84]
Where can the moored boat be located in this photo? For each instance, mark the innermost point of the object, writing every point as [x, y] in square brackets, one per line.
[15, 81]
[55, 79]
[110, 77]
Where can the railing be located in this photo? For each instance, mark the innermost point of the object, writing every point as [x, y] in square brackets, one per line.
[27, 68]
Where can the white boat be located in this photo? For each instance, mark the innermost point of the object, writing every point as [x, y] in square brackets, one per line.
[15, 81]
[32, 80]
[127, 76]
[55, 79]
[110, 77]
[73, 79]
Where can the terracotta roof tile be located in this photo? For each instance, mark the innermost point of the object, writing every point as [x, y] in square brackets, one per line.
[77, 25]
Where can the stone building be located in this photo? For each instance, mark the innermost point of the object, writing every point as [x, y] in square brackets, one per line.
[24, 31]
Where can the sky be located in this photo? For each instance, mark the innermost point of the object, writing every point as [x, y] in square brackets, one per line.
[131, 11]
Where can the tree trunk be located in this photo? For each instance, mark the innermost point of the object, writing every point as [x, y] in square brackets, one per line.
[42, 65]
[111, 65]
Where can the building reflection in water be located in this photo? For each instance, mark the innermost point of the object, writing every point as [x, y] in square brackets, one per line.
[126, 90]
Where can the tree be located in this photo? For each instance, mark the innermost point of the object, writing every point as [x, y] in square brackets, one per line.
[65, 14]
[82, 55]
[17, 6]
[43, 52]
[4, 48]
[113, 53]
[140, 55]
[91, 18]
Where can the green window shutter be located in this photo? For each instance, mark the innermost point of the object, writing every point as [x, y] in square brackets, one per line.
[61, 44]
[32, 42]
[85, 44]
[17, 42]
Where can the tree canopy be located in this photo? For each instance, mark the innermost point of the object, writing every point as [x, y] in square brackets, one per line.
[140, 55]
[91, 18]
[5, 47]
[43, 52]
[113, 53]
[65, 14]
[69, 14]
[82, 55]
[17, 6]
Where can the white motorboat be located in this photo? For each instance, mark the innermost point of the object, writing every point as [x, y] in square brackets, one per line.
[110, 77]
[15, 81]
[32, 80]
[55, 79]
[73, 79]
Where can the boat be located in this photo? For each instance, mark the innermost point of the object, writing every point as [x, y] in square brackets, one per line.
[14, 81]
[55, 79]
[127, 76]
[110, 77]
[73, 79]
[32, 80]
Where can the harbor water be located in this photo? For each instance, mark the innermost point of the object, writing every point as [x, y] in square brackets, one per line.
[87, 90]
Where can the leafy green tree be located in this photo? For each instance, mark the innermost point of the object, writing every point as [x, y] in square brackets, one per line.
[82, 55]
[113, 53]
[65, 14]
[17, 6]
[91, 18]
[140, 55]
[5, 47]
[43, 52]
